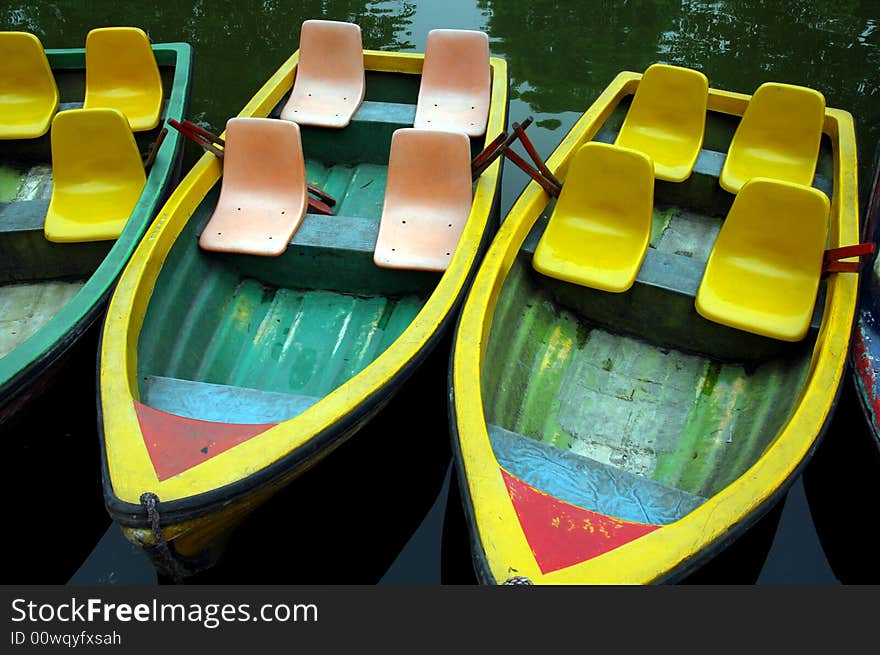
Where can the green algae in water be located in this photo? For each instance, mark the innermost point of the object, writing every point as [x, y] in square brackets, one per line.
[10, 181]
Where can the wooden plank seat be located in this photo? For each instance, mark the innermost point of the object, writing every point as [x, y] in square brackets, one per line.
[589, 483]
[345, 243]
[367, 138]
[707, 171]
[221, 403]
[26, 254]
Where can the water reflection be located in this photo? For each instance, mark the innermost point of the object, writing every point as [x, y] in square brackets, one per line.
[237, 44]
[561, 55]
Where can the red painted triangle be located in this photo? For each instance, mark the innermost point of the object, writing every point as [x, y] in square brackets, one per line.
[177, 443]
[560, 534]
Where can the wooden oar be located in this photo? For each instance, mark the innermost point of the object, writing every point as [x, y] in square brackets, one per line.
[546, 184]
[494, 150]
[519, 131]
[831, 262]
[209, 141]
[151, 156]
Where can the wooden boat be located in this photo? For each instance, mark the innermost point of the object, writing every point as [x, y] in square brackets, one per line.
[866, 335]
[224, 375]
[59, 262]
[613, 434]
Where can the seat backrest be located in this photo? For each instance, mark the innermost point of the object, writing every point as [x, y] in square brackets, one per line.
[609, 182]
[428, 199]
[27, 87]
[456, 83]
[777, 138]
[600, 228]
[330, 84]
[263, 193]
[98, 175]
[763, 272]
[667, 119]
[121, 73]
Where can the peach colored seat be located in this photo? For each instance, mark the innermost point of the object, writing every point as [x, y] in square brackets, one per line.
[456, 83]
[764, 269]
[427, 199]
[777, 138]
[28, 93]
[121, 73]
[329, 85]
[263, 195]
[98, 176]
[667, 120]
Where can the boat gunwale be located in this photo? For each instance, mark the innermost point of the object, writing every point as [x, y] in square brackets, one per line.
[494, 523]
[292, 443]
[22, 368]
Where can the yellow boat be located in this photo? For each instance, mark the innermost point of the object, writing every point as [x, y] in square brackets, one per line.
[643, 366]
[224, 373]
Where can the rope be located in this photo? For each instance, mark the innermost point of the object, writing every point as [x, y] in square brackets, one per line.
[518, 580]
[169, 563]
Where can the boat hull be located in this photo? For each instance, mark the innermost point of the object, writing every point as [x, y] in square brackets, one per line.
[201, 501]
[29, 370]
[668, 435]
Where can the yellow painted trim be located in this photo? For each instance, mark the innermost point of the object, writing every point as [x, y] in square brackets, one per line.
[130, 468]
[657, 554]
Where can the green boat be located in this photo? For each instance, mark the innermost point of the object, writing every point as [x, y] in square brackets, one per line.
[51, 292]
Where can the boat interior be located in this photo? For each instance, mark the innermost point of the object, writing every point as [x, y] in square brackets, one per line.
[631, 402]
[89, 198]
[261, 338]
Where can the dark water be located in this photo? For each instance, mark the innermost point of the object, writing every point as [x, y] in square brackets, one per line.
[382, 509]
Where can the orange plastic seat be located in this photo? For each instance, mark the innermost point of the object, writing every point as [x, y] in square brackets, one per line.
[329, 85]
[667, 120]
[28, 93]
[428, 199]
[777, 138]
[263, 193]
[600, 228]
[121, 73]
[456, 83]
[764, 269]
[97, 176]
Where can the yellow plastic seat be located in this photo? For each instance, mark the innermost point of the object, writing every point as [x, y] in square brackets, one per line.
[329, 85]
[28, 93]
[98, 176]
[764, 269]
[667, 120]
[263, 194]
[428, 200]
[456, 83]
[778, 137]
[121, 73]
[599, 231]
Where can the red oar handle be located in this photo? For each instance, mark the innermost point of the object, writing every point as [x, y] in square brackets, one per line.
[546, 184]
